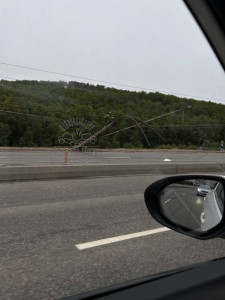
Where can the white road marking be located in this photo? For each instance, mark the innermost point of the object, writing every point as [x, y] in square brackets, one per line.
[119, 238]
[167, 159]
[167, 201]
[120, 157]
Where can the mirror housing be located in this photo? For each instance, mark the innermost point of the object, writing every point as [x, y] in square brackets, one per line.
[189, 204]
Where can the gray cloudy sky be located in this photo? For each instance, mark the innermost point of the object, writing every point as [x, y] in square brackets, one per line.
[152, 44]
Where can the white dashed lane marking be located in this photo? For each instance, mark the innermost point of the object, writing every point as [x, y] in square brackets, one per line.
[119, 238]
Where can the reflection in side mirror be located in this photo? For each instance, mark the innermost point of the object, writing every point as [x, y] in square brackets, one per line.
[190, 204]
[197, 207]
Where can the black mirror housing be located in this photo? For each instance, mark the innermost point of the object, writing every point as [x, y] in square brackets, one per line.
[189, 204]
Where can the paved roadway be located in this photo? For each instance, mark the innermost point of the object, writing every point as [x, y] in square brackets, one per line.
[182, 205]
[43, 222]
[23, 158]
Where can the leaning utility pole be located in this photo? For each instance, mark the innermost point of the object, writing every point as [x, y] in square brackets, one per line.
[113, 122]
[101, 131]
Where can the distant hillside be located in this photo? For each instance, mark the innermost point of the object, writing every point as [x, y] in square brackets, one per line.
[32, 111]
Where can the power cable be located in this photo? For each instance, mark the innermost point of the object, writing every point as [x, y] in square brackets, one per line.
[109, 82]
[7, 77]
[151, 128]
[138, 124]
[28, 115]
[150, 120]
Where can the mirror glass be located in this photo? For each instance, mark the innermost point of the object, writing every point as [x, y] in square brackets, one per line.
[196, 204]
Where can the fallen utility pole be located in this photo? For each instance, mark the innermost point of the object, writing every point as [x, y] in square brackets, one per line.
[150, 120]
[94, 136]
[113, 122]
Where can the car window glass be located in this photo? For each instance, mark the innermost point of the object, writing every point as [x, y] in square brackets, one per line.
[98, 99]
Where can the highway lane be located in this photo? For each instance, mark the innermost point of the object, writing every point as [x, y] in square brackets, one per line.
[181, 204]
[43, 221]
[23, 158]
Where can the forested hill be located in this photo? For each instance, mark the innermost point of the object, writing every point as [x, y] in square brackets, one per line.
[32, 111]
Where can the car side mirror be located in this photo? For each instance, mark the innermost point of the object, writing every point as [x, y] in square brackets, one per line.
[190, 204]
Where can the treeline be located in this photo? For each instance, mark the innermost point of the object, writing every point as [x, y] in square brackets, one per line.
[32, 114]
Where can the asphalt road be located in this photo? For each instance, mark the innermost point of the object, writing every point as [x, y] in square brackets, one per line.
[44, 222]
[24, 158]
[183, 206]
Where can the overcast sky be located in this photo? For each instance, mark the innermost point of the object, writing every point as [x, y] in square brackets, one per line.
[151, 44]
